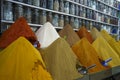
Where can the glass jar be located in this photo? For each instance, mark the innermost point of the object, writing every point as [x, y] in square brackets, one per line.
[66, 7]
[49, 17]
[84, 12]
[43, 17]
[50, 4]
[81, 11]
[35, 16]
[61, 21]
[8, 14]
[76, 23]
[76, 10]
[28, 14]
[80, 23]
[72, 22]
[56, 5]
[72, 8]
[66, 20]
[36, 2]
[28, 1]
[43, 3]
[55, 20]
[61, 7]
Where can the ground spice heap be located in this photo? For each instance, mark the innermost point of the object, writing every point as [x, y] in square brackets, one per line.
[112, 42]
[69, 34]
[21, 61]
[60, 60]
[17, 29]
[87, 55]
[84, 33]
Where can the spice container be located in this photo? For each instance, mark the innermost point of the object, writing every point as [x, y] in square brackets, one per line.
[76, 10]
[61, 21]
[72, 22]
[28, 1]
[80, 23]
[27, 14]
[72, 8]
[43, 3]
[43, 17]
[8, 14]
[66, 20]
[50, 4]
[49, 17]
[66, 7]
[36, 2]
[56, 5]
[81, 11]
[61, 7]
[76, 23]
[55, 20]
[35, 16]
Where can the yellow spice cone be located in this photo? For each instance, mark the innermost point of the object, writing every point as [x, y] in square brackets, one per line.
[19, 62]
[111, 41]
[105, 51]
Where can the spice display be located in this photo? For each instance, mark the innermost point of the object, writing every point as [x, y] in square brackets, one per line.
[87, 55]
[84, 33]
[55, 20]
[58, 54]
[36, 2]
[50, 4]
[61, 7]
[56, 5]
[17, 29]
[105, 52]
[61, 21]
[28, 14]
[66, 20]
[46, 35]
[111, 41]
[49, 17]
[66, 7]
[43, 17]
[16, 58]
[8, 14]
[71, 36]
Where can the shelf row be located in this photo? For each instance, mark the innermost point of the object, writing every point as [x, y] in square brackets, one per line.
[98, 20]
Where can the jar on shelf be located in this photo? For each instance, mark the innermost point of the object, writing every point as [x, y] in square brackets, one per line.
[94, 15]
[61, 7]
[83, 22]
[61, 21]
[35, 16]
[49, 17]
[72, 8]
[43, 3]
[80, 22]
[76, 1]
[17, 11]
[90, 14]
[85, 2]
[66, 7]
[87, 13]
[66, 20]
[81, 1]
[28, 1]
[7, 11]
[43, 17]
[91, 25]
[55, 20]
[76, 10]
[94, 4]
[36, 2]
[76, 23]
[84, 12]
[87, 25]
[56, 5]
[28, 14]
[72, 22]
[80, 11]
[50, 4]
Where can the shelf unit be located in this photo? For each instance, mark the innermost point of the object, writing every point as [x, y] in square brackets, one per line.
[63, 13]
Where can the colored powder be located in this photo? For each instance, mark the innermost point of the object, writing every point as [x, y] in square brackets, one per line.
[87, 55]
[17, 29]
[105, 51]
[95, 33]
[60, 60]
[84, 33]
[21, 61]
[71, 36]
[46, 35]
[111, 41]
